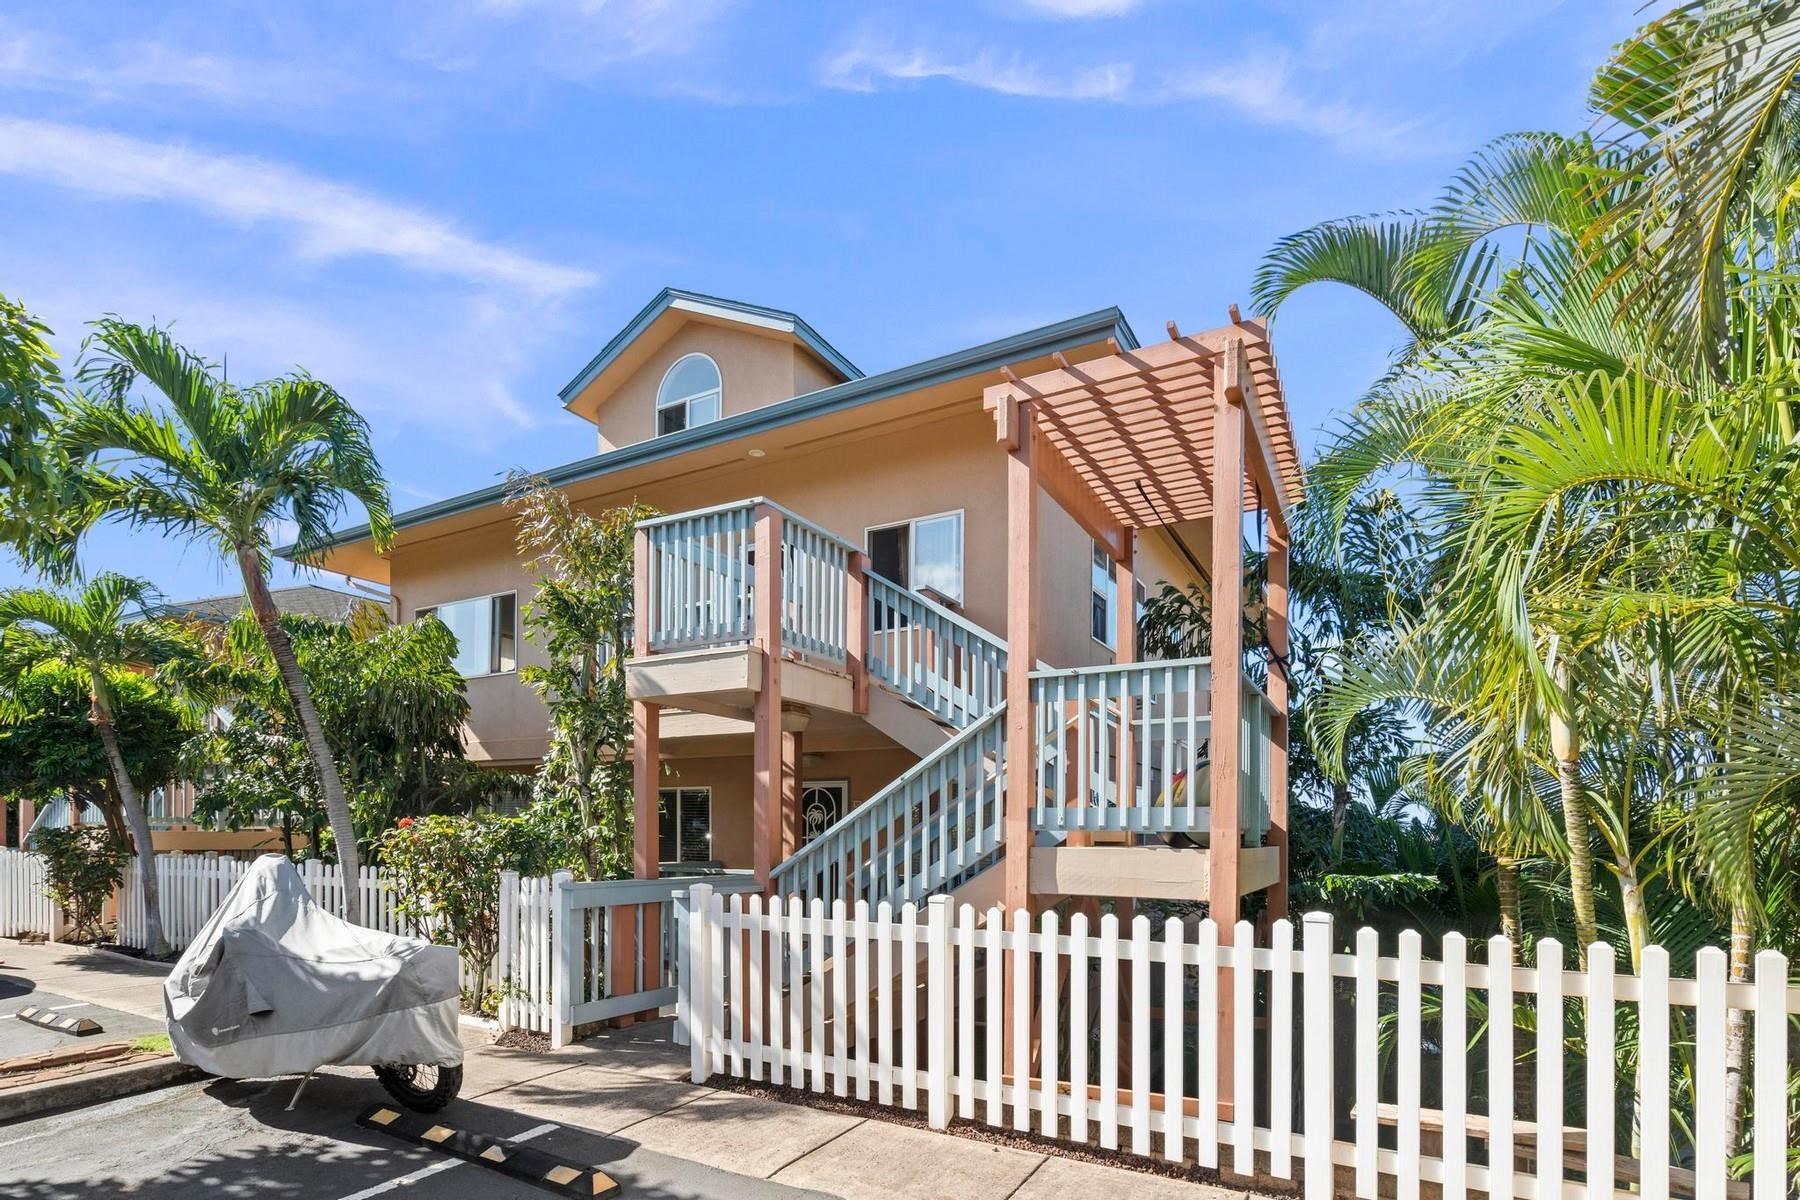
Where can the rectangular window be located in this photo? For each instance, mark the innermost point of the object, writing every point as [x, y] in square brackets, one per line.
[685, 414]
[684, 825]
[486, 630]
[920, 554]
[1104, 596]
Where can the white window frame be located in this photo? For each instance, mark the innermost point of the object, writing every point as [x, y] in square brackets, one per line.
[686, 403]
[493, 648]
[911, 525]
[1110, 597]
[675, 793]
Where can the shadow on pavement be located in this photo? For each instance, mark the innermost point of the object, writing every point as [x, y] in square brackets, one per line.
[240, 1142]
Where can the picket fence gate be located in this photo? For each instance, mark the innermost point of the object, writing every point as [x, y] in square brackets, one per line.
[885, 1008]
[23, 906]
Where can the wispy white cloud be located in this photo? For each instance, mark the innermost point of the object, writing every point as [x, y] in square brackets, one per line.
[572, 38]
[1078, 10]
[867, 66]
[138, 69]
[325, 218]
[1264, 88]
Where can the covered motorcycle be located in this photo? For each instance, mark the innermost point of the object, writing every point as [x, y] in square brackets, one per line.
[275, 985]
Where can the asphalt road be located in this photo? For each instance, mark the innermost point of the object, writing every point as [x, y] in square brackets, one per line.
[225, 1138]
[20, 1037]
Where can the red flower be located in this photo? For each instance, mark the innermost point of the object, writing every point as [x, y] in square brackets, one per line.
[405, 822]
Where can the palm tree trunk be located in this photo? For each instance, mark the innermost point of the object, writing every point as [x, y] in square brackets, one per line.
[1637, 917]
[1506, 878]
[1566, 746]
[1340, 814]
[337, 809]
[135, 818]
[1736, 1031]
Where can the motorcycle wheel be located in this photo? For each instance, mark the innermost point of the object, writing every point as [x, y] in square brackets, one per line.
[421, 1088]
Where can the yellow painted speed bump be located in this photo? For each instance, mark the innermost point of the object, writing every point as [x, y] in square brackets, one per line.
[513, 1159]
[45, 1018]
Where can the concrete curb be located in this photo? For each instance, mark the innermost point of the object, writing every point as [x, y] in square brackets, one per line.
[93, 1088]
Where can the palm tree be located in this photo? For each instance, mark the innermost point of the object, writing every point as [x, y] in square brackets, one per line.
[98, 631]
[225, 464]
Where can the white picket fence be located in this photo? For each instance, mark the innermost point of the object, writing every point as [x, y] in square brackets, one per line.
[1115, 1040]
[23, 906]
[190, 888]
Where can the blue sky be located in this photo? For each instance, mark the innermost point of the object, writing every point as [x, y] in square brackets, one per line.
[445, 208]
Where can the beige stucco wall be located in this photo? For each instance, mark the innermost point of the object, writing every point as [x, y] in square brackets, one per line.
[897, 471]
[729, 778]
[754, 370]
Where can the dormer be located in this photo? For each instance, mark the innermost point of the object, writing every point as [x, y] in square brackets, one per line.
[687, 360]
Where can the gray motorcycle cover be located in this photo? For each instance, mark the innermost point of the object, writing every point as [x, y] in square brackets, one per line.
[275, 985]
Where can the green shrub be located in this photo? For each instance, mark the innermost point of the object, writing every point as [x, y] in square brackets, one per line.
[82, 865]
[445, 875]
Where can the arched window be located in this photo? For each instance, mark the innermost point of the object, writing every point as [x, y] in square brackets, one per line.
[689, 394]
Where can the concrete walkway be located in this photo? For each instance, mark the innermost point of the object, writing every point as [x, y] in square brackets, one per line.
[633, 1085]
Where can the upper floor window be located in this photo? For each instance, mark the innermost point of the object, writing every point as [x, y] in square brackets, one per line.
[920, 554]
[1104, 600]
[688, 395]
[486, 630]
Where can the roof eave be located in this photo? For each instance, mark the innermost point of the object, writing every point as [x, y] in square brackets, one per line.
[770, 318]
[1048, 339]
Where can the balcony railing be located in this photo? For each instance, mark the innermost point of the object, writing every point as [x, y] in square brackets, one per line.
[700, 585]
[1127, 747]
[950, 667]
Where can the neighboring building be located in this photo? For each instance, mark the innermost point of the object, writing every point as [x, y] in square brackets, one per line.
[305, 599]
[170, 808]
[921, 526]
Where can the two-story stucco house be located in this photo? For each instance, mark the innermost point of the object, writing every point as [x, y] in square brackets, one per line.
[885, 630]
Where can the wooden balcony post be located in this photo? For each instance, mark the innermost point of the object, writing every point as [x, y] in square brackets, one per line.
[27, 814]
[1021, 654]
[1227, 472]
[766, 783]
[1277, 608]
[1125, 651]
[856, 630]
[640, 593]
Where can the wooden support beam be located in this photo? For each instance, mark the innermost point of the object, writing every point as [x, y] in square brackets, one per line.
[1265, 469]
[1227, 673]
[856, 631]
[1021, 656]
[766, 738]
[1064, 484]
[1277, 618]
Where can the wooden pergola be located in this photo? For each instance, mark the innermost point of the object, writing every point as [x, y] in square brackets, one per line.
[1192, 428]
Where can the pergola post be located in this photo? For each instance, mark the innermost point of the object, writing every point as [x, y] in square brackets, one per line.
[767, 773]
[1227, 472]
[1021, 650]
[1277, 621]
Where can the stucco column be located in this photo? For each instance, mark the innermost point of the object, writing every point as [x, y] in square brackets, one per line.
[766, 789]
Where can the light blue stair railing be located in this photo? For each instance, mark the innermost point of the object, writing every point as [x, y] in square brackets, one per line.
[935, 827]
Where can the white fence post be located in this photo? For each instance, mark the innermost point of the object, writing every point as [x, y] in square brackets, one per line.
[697, 975]
[938, 1047]
[1317, 1009]
[681, 906]
[507, 947]
[564, 941]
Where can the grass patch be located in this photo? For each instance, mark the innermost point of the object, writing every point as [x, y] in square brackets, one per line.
[155, 1043]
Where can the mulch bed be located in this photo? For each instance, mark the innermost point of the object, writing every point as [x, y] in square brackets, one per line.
[519, 1039]
[980, 1131]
